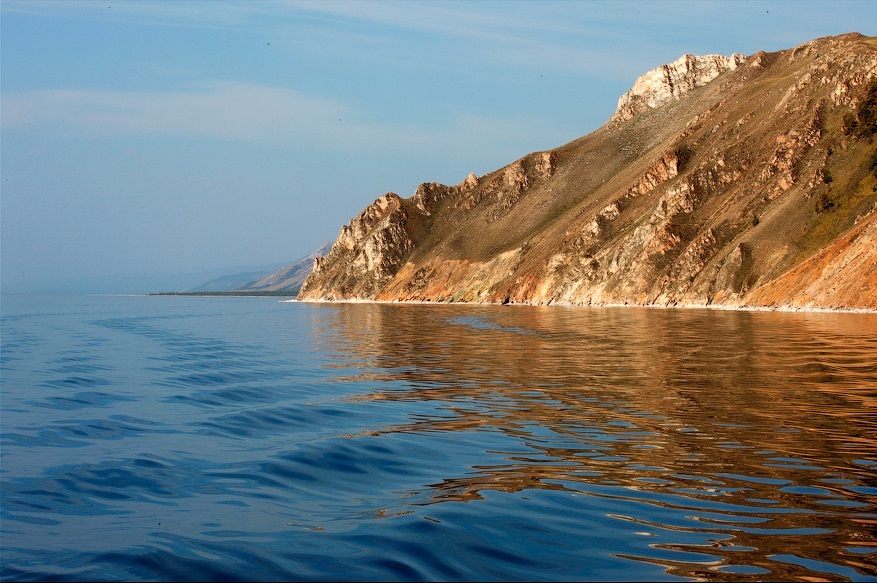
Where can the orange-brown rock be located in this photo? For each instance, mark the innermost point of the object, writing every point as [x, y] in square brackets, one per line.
[842, 275]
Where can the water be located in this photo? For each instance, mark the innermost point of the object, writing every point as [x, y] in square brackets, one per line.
[165, 438]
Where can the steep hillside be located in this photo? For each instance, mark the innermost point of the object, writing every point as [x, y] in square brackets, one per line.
[736, 181]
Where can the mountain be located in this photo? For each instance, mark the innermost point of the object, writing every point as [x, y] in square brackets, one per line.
[231, 281]
[720, 180]
[145, 282]
[272, 278]
[286, 279]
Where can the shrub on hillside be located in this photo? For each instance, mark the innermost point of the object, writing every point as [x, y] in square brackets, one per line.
[863, 122]
[824, 204]
[683, 155]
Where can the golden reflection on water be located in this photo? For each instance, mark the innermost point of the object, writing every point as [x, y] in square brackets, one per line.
[758, 425]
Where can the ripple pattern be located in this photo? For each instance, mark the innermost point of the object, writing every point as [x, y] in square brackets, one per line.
[156, 438]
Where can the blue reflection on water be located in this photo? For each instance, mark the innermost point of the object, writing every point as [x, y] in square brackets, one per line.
[242, 438]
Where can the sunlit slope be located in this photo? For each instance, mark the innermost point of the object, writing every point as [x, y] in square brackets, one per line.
[717, 179]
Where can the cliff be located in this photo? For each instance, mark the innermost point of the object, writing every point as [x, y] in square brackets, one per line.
[733, 181]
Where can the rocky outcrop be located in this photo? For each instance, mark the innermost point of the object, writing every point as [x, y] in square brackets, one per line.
[506, 186]
[719, 181]
[428, 195]
[667, 82]
[366, 254]
[470, 182]
[545, 164]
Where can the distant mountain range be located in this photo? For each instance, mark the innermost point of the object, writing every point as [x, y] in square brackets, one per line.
[737, 181]
[272, 278]
[285, 279]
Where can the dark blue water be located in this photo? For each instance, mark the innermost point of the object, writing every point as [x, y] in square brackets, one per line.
[166, 438]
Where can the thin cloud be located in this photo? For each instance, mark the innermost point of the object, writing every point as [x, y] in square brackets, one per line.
[509, 33]
[223, 110]
[147, 12]
[253, 113]
[456, 18]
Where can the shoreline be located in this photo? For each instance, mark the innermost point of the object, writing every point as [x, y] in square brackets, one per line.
[784, 309]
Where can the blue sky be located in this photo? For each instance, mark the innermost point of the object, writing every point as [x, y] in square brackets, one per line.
[163, 136]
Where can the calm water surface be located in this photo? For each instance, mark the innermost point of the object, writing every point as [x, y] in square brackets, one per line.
[165, 438]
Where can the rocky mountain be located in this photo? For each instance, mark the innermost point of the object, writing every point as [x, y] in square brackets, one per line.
[720, 180]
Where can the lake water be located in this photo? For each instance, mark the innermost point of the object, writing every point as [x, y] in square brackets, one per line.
[166, 438]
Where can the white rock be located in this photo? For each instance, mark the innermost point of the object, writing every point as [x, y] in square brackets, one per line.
[659, 86]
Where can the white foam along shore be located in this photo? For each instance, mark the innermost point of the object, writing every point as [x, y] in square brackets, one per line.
[783, 308]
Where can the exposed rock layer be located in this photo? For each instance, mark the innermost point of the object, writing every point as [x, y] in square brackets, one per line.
[667, 82]
[719, 180]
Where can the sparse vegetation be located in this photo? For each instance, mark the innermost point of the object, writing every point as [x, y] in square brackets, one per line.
[863, 122]
[826, 177]
[824, 203]
[837, 205]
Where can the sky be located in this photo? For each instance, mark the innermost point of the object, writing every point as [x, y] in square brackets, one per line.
[168, 137]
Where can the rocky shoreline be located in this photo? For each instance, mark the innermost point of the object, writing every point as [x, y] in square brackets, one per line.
[785, 309]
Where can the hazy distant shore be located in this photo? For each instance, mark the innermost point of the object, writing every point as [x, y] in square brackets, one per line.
[226, 294]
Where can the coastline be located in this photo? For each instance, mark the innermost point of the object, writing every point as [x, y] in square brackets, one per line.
[784, 308]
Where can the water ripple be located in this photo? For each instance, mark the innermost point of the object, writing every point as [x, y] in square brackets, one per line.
[208, 438]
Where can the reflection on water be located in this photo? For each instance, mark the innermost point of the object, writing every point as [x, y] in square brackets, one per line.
[758, 427]
[226, 439]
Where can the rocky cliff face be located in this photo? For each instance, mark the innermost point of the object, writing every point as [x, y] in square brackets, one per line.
[736, 181]
[368, 252]
[668, 82]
